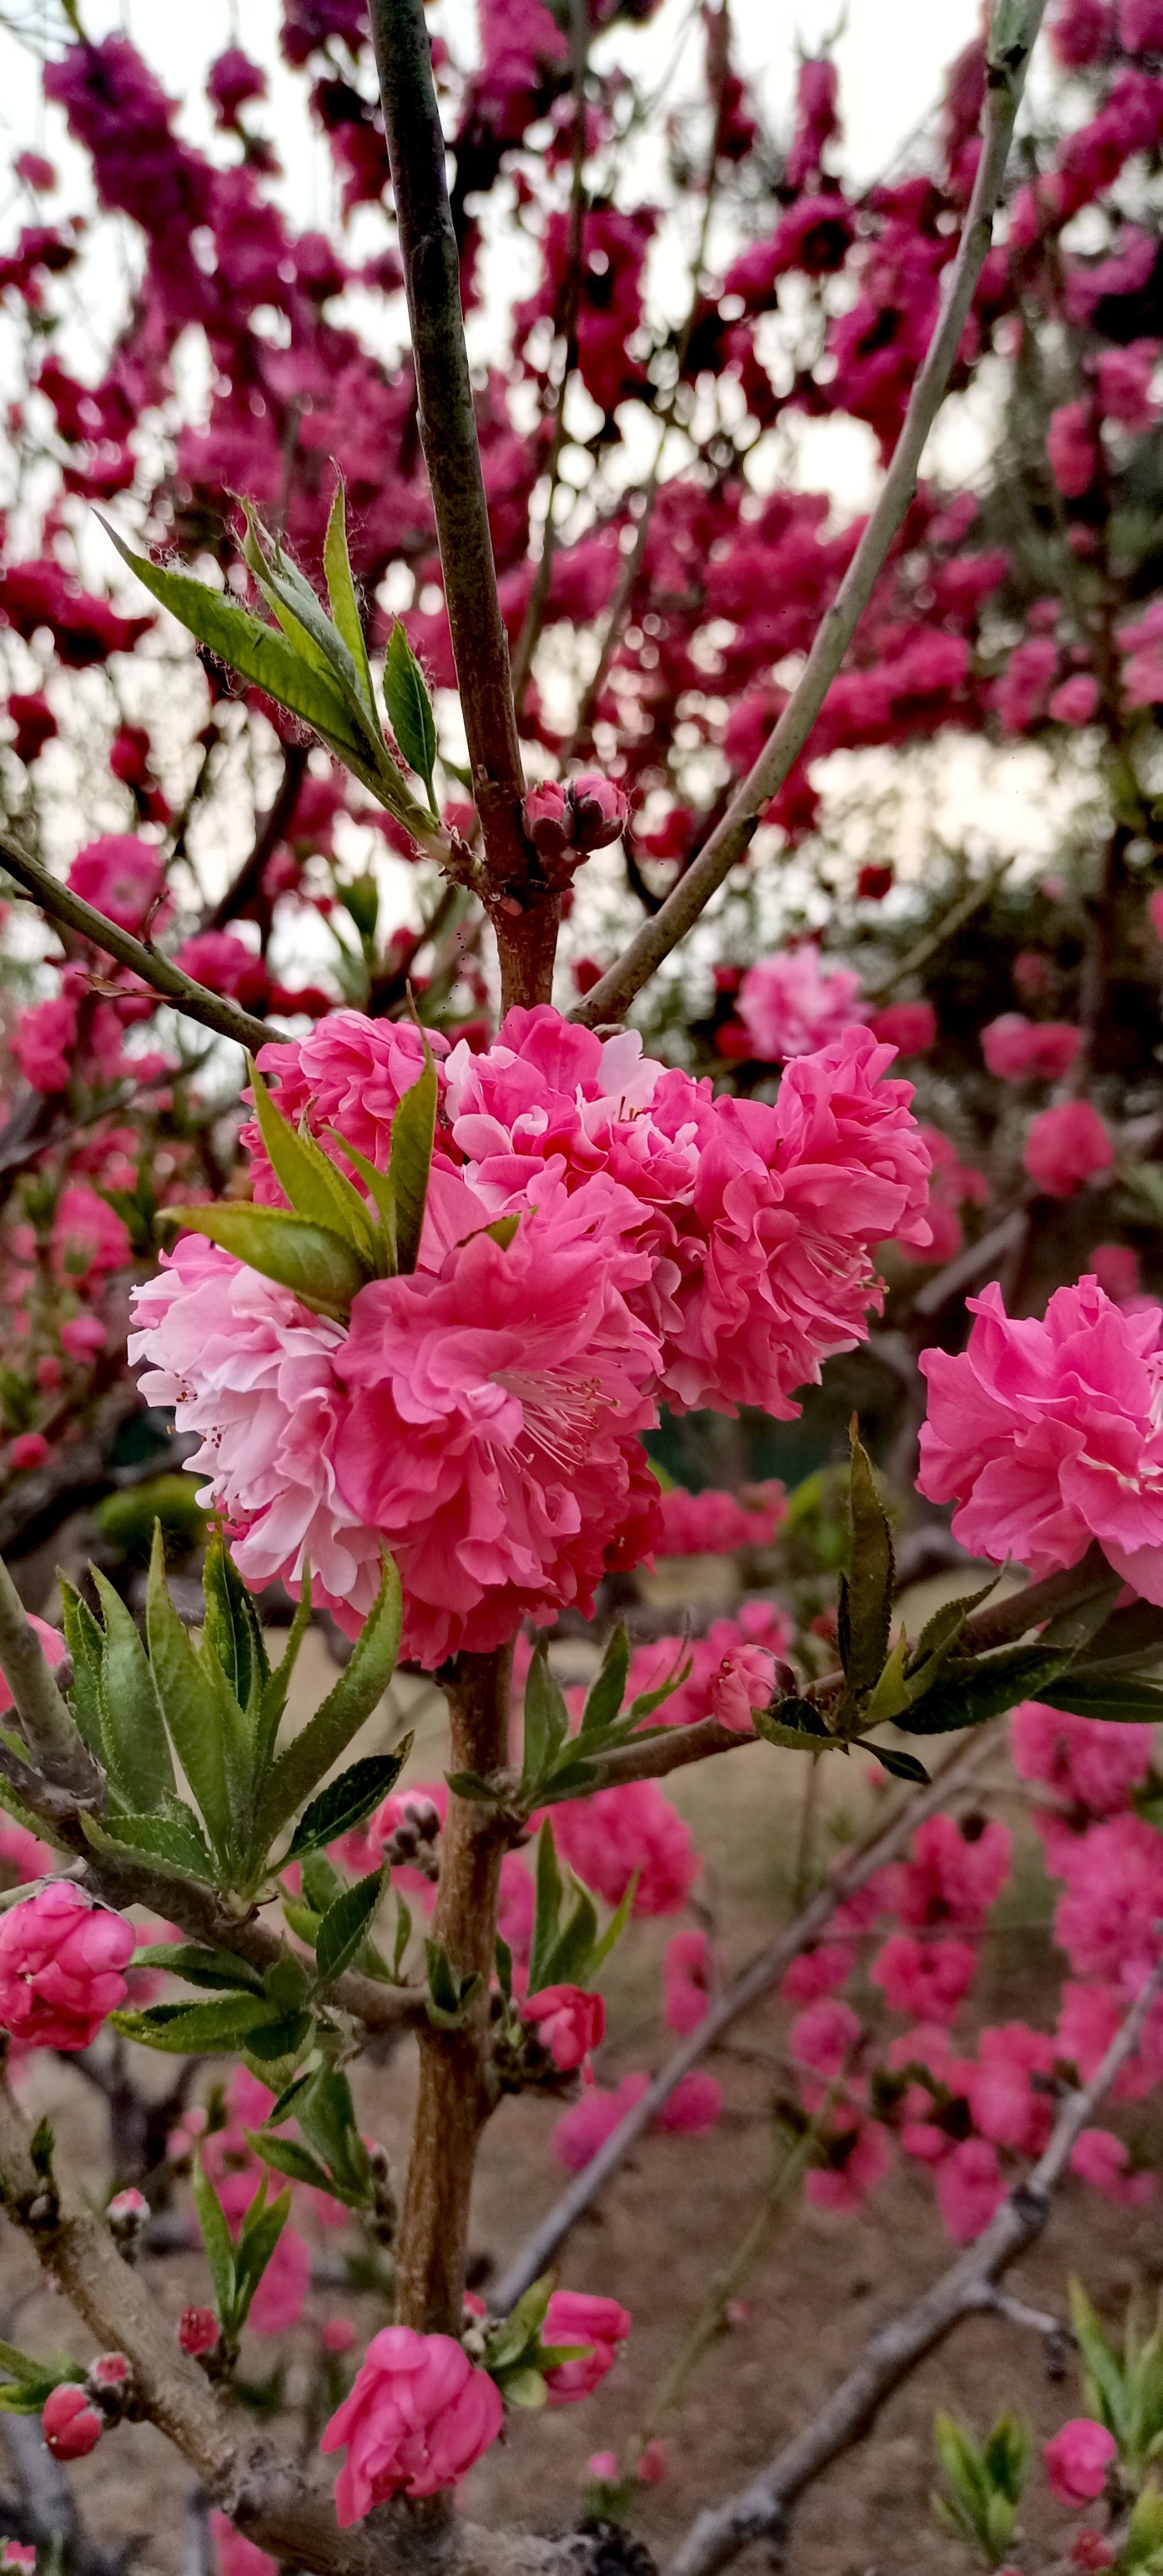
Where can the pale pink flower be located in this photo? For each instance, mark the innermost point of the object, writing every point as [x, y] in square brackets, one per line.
[603, 2466]
[417, 2418]
[1093, 1764]
[569, 2023]
[120, 876]
[686, 1979]
[61, 1963]
[82, 1336]
[238, 2556]
[790, 1005]
[929, 1980]
[969, 2188]
[574, 2316]
[1077, 2461]
[1098, 2157]
[1022, 1050]
[743, 1682]
[1066, 1146]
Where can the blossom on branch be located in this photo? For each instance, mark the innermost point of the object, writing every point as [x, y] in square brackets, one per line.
[417, 2418]
[61, 1964]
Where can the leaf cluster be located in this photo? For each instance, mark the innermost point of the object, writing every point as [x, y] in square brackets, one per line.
[984, 2484]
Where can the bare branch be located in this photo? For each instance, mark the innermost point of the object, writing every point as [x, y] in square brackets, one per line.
[756, 1980]
[269, 832]
[732, 837]
[894, 2352]
[160, 973]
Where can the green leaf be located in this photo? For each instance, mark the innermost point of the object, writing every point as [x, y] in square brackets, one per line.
[519, 2333]
[274, 1698]
[378, 1184]
[358, 1691]
[326, 2115]
[196, 2030]
[189, 1704]
[410, 1162]
[175, 1839]
[608, 1688]
[568, 1960]
[403, 1935]
[868, 1592]
[449, 1994]
[1097, 1690]
[1077, 1626]
[215, 2238]
[1142, 2553]
[346, 1924]
[258, 2237]
[288, 2039]
[233, 1627]
[546, 1722]
[798, 1724]
[137, 1756]
[346, 1801]
[259, 653]
[200, 1967]
[341, 594]
[22, 2367]
[84, 1640]
[316, 1264]
[318, 1192]
[409, 707]
[901, 1766]
[946, 1624]
[968, 1693]
[526, 2388]
[289, 2158]
[1107, 2395]
[614, 1928]
[469, 1784]
[891, 1692]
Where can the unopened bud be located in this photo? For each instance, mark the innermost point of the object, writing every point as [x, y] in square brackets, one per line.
[549, 819]
[71, 2424]
[108, 2381]
[337, 2335]
[198, 2330]
[600, 811]
[128, 2213]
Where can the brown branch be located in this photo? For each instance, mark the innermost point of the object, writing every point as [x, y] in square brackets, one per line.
[732, 837]
[160, 973]
[893, 2353]
[270, 831]
[524, 911]
[957, 1774]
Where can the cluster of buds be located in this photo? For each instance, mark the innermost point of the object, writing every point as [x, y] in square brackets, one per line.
[128, 2217]
[412, 1840]
[565, 822]
[77, 2413]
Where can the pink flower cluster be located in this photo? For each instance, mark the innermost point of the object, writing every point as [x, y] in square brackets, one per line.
[61, 1967]
[715, 1524]
[790, 1006]
[481, 1418]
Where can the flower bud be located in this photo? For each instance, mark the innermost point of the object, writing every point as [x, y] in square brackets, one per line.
[600, 810]
[337, 2335]
[549, 818]
[70, 2424]
[108, 2381]
[197, 2330]
[127, 2211]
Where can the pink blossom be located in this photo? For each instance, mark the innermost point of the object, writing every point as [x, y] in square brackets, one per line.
[686, 1979]
[88, 1236]
[1089, 2017]
[789, 1005]
[1077, 2461]
[858, 2159]
[1090, 2552]
[82, 1336]
[61, 1962]
[825, 2037]
[1098, 2157]
[1106, 1920]
[696, 2104]
[603, 2466]
[1141, 26]
[1080, 31]
[652, 2467]
[1116, 1268]
[1075, 702]
[1022, 693]
[927, 1979]
[1124, 385]
[715, 1524]
[568, 2022]
[29, 1449]
[279, 2299]
[1005, 2106]
[43, 1040]
[120, 876]
[1022, 1050]
[587, 2124]
[1044, 1434]
[608, 1837]
[417, 2418]
[338, 2335]
[743, 1683]
[223, 962]
[575, 2317]
[238, 2556]
[955, 1873]
[351, 1073]
[817, 1973]
[1092, 1764]
[1072, 449]
[70, 2424]
[600, 810]
[969, 2189]
[910, 1027]
[1066, 1146]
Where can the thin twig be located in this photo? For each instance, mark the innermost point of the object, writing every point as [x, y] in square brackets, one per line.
[954, 920]
[733, 835]
[269, 831]
[892, 2354]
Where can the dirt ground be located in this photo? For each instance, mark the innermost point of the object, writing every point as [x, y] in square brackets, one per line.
[668, 2223]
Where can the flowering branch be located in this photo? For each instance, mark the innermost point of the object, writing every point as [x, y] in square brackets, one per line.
[524, 911]
[894, 2352]
[1016, 25]
[142, 958]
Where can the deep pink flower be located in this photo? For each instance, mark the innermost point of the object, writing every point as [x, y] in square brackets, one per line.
[929, 1980]
[954, 1875]
[686, 1979]
[88, 1238]
[600, 810]
[587, 2124]
[1107, 1918]
[743, 1682]
[627, 1830]
[1072, 448]
[568, 2022]
[338, 2335]
[1005, 2106]
[61, 1963]
[70, 2424]
[82, 1336]
[1066, 1146]
[1045, 1435]
[417, 2418]
[1022, 1050]
[1075, 701]
[1141, 26]
[238, 2556]
[789, 1005]
[548, 818]
[43, 1040]
[824, 2038]
[1098, 2157]
[1077, 2461]
[969, 2189]
[1116, 1268]
[696, 2104]
[1080, 31]
[29, 1449]
[858, 2158]
[715, 1524]
[910, 1027]
[573, 2316]
[1092, 1764]
[198, 2330]
[120, 876]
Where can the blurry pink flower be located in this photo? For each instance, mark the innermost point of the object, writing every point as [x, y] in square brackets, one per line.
[1045, 1434]
[1022, 1050]
[1090, 2552]
[653, 2466]
[88, 1237]
[910, 1027]
[824, 2037]
[608, 1837]
[929, 1980]
[1098, 2157]
[61, 1963]
[1093, 1764]
[816, 1973]
[568, 2022]
[790, 1006]
[417, 2418]
[1031, 969]
[1116, 1268]
[70, 2424]
[43, 1039]
[1004, 2104]
[969, 2189]
[686, 1978]
[120, 876]
[573, 2316]
[82, 1336]
[337, 2335]
[858, 2158]
[1072, 449]
[1066, 1146]
[1155, 910]
[603, 2466]
[955, 1873]
[696, 2104]
[587, 2124]
[1077, 2461]
[29, 1449]
[238, 2556]
[1107, 1919]
[743, 1682]
[1141, 26]
[1075, 702]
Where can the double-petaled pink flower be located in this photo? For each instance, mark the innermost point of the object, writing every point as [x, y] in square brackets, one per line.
[576, 2317]
[61, 1967]
[417, 2418]
[568, 2022]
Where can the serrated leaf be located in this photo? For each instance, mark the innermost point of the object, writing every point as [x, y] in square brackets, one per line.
[947, 1622]
[891, 1692]
[346, 1801]
[1110, 2394]
[647, 1701]
[608, 1688]
[409, 706]
[345, 1926]
[289, 2158]
[968, 1694]
[178, 1843]
[870, 1576]
[358, 1691]
[274, 1698]
[410, 1164]
[315, 1264]
[84, 1641]
[341, 594]
[200, 1966]
[136, 1754]
[326, 2115]
[189, 1704]
[318, 1192]
[798, 1725]
[258, 2237]
[233, 1628]
[546, 1722]
[1119, 1697]
[377, 1182]
[216, 2243]
[196, 2030]
[273, 2042]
